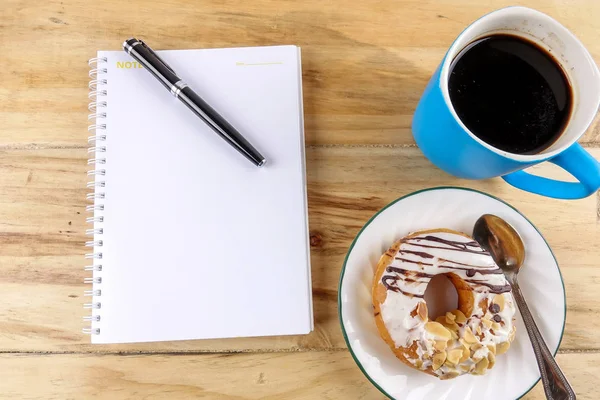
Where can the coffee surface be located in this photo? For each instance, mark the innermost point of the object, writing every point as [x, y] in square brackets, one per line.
[510, 93]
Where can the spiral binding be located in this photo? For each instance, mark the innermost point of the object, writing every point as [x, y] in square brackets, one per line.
[97, 160]
[95, 104]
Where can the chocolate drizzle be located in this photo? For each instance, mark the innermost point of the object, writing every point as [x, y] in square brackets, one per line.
[394, 288]
[468, 265]
[454, 245]
[486, 271]
[493, 288]
[413, 261]
[425, 259]
[409, 272]
[470, 271]
[417, 253]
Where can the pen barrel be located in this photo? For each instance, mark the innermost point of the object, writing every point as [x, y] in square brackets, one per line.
[223, 128]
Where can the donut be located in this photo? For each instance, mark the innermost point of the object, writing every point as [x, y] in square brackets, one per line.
[464, 341]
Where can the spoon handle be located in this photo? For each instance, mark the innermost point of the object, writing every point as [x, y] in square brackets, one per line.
[554, 381]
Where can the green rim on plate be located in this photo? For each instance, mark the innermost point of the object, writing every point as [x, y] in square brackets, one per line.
[410, 195]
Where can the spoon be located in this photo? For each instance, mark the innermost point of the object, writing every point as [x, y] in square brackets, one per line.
[501, 240]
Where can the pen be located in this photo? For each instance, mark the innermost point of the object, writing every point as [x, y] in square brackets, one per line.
[178, 88]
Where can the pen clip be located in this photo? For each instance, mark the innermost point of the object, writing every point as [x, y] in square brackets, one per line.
[156, 56]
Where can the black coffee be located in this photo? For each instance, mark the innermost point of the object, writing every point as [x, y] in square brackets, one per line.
[510, 93]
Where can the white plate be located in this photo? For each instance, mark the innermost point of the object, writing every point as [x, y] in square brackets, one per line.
[515, 372]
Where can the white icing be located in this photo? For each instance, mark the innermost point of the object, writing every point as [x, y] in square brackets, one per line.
[407, 290]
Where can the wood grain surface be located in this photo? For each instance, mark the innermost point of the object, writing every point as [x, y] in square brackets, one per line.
[365, 65]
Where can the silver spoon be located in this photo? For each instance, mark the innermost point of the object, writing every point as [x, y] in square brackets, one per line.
[508, 251]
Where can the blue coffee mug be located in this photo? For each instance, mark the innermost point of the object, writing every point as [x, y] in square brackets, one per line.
[448, 144]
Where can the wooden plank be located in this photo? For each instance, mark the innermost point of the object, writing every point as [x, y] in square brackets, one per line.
[302, 375]
[42, 200]
[365, 65]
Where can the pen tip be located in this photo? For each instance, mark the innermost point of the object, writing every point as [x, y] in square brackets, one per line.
[263, 162]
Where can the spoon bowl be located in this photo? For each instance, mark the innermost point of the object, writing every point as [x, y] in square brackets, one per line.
[502, 241]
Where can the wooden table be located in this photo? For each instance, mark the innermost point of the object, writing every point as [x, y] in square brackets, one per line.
[365, 64]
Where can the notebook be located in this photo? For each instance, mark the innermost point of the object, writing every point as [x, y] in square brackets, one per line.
[191, 240]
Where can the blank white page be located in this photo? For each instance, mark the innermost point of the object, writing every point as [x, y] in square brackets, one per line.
[198, 242]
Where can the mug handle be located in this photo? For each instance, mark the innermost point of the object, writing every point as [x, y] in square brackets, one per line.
[576, 161]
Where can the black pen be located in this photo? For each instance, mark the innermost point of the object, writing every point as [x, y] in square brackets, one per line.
[178, 88]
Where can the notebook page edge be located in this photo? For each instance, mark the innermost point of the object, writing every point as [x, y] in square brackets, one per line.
[304, 187]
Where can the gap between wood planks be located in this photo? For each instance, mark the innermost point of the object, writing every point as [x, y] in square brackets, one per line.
[598, 206]
[37, 146]
[208, 352]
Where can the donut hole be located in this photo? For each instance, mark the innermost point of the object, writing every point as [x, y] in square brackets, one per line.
[441, 296]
